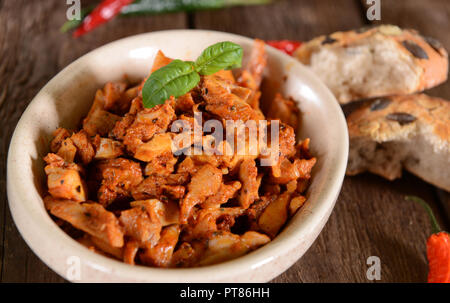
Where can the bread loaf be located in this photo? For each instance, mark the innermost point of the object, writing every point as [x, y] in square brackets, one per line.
[375, 61]
[409, 131]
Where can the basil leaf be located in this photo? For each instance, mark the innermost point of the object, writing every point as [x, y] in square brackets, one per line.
[175, 79]
[179, 77]
[222, 55]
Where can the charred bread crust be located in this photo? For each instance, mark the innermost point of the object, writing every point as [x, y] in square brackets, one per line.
[404, 119]
[426, 52]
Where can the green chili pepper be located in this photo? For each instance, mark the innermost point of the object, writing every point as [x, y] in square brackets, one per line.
[153, 7]
[171, 6]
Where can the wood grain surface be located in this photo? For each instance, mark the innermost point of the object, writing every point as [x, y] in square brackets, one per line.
[371, 217]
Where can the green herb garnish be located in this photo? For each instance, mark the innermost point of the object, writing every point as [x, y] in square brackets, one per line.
[179, 77]
[222, 55]
[174, 79]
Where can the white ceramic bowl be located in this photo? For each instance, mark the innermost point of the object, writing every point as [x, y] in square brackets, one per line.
[67, 98]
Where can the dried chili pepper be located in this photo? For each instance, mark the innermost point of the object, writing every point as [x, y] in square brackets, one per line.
[104, 12]
[286, 46]
[438, 249]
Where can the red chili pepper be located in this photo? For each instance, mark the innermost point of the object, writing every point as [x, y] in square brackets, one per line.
[438, 249]
[104, 12]
[286, 46]
[438, 253]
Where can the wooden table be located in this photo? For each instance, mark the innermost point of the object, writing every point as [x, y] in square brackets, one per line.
[371, 218]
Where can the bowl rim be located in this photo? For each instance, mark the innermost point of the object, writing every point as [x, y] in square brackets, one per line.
[222, 271]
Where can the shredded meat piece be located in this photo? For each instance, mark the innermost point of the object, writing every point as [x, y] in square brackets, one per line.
[89, 217]
[142, 224]
[291, 186]
[252, 75]
[119, 177]
[161, 254]
[151, 187]
[159, 145]
[225, 192]
[286, 147]
[253, 72]
[184, 103]
[303, 149]
[130, 251]
[86, 241]
[68, 150]
[99, 120]
[225, 222]
[301, 168]
[116, 252]
[255, 210]
[295, 204]
[285, 110]
[275, 215]
[106, 148]
[209, 220]
[305, 167]
[112, 93]
[224, 246]
[56, 161]
[63, 179]
[160, 61]
[177, 179]
[248, 174]
[167, 212]
[124, 103]
[162, 165]
[120, 128]
[271, 189]
[226, 75]
[302, 185]
[58, 137]
[222, 102]
[155, 185]
[158, 154]
[287, 140]
[148, 122]
[183, 256]
[85, 150]
[204, 183]
[187, 166]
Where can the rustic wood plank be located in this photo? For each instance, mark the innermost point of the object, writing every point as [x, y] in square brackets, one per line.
[371, 218]
[289, 19]
[32, 51]
[444, 201]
